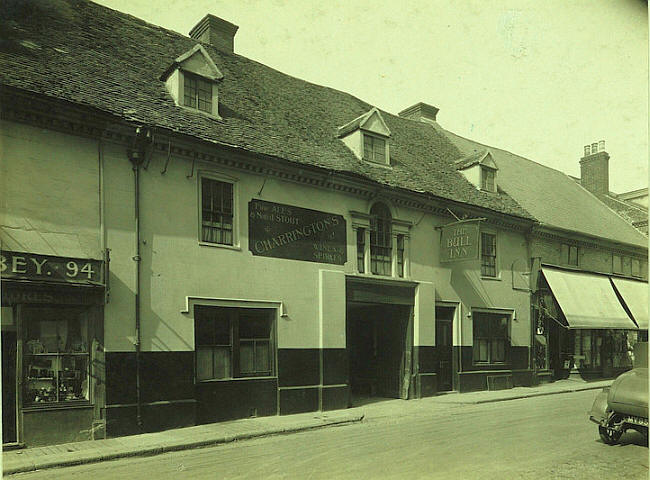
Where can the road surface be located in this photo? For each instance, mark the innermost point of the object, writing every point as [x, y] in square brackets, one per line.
[532, 438]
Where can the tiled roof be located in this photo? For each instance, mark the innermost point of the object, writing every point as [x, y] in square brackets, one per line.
[91, 55]
[552, 197]
[471, 159]
[629, 211]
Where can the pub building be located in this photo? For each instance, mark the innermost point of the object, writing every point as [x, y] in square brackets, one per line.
[276, 247]
[51, 327]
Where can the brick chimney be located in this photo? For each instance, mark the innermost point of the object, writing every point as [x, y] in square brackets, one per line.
[217, 32]
[421, 112]
[594, 168]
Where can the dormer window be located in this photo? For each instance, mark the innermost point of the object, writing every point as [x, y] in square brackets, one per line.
[374, 149]
[479, 169]
[488, 177]
[192, 81]
[367, 137]
[197, 92]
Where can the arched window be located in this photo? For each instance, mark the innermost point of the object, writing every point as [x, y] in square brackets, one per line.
[380, 239]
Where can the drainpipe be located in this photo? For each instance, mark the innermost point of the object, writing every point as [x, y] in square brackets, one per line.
[136, 156]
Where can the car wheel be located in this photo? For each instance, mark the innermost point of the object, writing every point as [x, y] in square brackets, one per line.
[610, 437]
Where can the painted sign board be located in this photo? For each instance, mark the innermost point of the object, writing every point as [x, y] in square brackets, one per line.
[30, 266]
[285, 231]
[459, 241]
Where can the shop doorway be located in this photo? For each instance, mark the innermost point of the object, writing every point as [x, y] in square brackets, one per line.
[9, 430]
[379, 351]
[444, 348]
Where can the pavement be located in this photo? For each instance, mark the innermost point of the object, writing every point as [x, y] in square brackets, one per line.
[39, 458]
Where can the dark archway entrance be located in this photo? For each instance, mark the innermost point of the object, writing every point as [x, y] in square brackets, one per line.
[379, 340]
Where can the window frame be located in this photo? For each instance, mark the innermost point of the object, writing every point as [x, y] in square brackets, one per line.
[234, 182]
[186, 75]
[387, 233]
[490, 338]
[374, 138]
[484, 185]
[495, 256]
[25, 367]
[233, 314]
[565, 252]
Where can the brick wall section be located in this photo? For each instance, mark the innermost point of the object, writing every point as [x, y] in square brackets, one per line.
[594, 172]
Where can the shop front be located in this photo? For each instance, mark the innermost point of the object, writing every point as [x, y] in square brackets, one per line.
[583, 327]
[52, 330]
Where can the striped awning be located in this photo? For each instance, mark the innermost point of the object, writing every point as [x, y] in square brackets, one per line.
[588, 301]
[634, 294]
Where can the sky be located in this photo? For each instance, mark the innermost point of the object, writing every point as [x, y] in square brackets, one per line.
[540, 79]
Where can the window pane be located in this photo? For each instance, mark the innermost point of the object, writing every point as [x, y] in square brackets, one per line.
[73, 378]
[203, 330]
[616, 264]
[246, 356]
[222, 362]
[204, 363]
[216, 211]
[262, 357]
[361, 247]
[367, 147]
[483, 351]
[254, 323]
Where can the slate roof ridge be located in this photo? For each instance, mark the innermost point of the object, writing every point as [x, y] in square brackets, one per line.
[603, 203]
[489, 147]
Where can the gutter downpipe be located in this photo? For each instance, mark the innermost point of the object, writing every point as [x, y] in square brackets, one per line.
[136, 155]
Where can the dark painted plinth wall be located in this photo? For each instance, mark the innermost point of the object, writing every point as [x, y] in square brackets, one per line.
[299, 374]
[166, 389]
[473, 377]
[170, 399]
[426, 383]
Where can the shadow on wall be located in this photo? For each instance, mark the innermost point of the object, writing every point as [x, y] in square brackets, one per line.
[469, 282]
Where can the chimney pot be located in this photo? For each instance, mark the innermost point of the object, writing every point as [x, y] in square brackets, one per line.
[594, 168]
[215, 31]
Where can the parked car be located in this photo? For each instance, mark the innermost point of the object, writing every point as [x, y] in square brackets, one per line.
[623, 406]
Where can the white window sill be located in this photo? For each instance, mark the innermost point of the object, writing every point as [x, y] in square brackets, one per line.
[234, 379]
[220, 245]
[498, 278]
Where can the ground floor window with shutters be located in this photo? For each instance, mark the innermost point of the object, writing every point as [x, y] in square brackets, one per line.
[234, 342]
[491, 338]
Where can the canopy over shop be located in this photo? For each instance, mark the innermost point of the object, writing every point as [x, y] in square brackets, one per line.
[588, 323]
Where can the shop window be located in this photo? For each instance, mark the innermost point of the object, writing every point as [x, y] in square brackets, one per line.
[217, 211]
[380, 240]
[197, 92]
[361, 250]
[488, 255]
[587, 349]
[569, 254]
[55, 355]
[233, 342]
[491, 340]
[400, 255]
[374, 149]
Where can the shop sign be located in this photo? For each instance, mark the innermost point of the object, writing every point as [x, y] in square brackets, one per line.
[459, 241]
[285, 231]
[30, 266]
